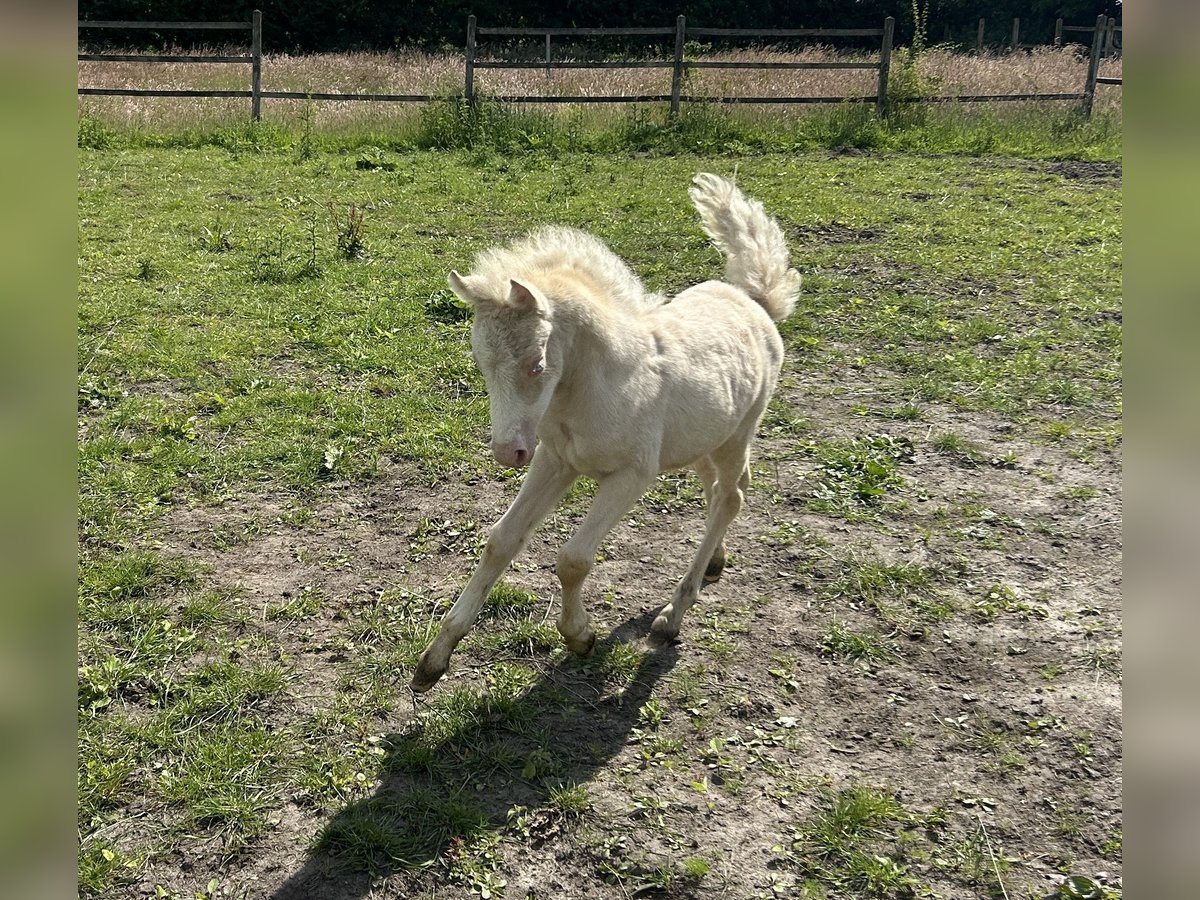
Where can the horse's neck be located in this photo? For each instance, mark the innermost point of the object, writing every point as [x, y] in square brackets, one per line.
[597, 346]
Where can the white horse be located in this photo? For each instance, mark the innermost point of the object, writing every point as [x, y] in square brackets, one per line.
[587, 374]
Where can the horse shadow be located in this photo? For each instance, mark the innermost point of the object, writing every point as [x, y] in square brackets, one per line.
[455, 774]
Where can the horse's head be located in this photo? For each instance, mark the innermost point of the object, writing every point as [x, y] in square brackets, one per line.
[510, 340]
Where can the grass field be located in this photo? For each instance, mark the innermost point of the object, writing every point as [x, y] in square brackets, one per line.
[907, 685]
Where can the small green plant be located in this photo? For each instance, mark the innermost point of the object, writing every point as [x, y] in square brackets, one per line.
[178, 427]
[899, 592]
[306, 146]
[371, 159]
[459, 536]
[1006, 598]
[959, 449]
[1112, 844]
[841, 845]
[696, 867]
[906, 412]
[541, 763]
[651, 713]
[920, 23]
[94, 134]
[101, 683]
[273, 263]
[1080, 887]
[570, 799]
[217, 237]
[445, 308]
[304, 605]
[331, 460]
[1006, 460]
[475, 863]
[1050, 671]
[1102, 660]
[351, 229]
[623, 661]
[841, 641]
[978, 862]
[857, 476]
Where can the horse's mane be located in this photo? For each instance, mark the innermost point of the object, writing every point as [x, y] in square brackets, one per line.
[557, 249]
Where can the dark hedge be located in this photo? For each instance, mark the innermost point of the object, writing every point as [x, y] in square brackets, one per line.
[333, 25]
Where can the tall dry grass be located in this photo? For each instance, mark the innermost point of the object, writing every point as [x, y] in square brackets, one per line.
[1043, 70]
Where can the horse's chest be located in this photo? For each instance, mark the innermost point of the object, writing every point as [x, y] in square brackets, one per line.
[584, 447]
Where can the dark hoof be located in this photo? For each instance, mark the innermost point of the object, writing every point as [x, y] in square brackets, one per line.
[582, 646]
[426, 676]
[661, 633]
[716, 566]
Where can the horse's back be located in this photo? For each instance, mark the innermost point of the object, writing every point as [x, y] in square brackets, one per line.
[716, 317]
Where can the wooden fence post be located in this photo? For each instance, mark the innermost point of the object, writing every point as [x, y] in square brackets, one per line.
[1089, 87]
[469, 77]
[677, 70]
[979, 36]
[547, 54]
[1058, 32]
[1109, 36]
[256, 65]
[1016, 35]
[885, 65]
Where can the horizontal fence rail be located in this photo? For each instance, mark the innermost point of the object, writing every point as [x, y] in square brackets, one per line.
[988, 98]
[579, 32]
[786, 32]
[168, 26]
[137, 57]
[1102, 44]
[147, 92]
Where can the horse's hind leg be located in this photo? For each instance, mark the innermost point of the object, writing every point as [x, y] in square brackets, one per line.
[731, 463]
[707, 472]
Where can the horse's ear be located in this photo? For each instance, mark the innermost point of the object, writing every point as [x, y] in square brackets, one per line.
[459, 285]
[521, 297]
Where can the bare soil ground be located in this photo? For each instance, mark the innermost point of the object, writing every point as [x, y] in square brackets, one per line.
[996, 724]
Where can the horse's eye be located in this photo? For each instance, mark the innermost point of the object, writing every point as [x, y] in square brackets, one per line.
[538, 367]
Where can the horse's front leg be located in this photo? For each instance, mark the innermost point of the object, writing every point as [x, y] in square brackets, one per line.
[615, 495]
[548, 479]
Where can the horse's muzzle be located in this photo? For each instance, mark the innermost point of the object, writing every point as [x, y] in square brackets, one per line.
[513, 454]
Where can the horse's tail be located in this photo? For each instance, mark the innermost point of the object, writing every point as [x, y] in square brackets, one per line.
[756, 254]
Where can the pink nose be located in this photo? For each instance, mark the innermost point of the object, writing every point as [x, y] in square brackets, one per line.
[515, 454]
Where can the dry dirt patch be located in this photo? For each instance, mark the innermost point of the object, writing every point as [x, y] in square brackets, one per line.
[991, 712]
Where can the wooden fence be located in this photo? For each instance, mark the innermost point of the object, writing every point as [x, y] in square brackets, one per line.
[679, 66]
[1102, 32]
[256, 93]
[254, 26]
[1112, 36]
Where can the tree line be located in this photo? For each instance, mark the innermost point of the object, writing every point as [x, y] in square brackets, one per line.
[337, 25]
